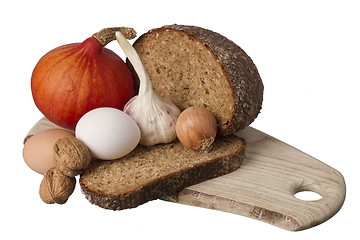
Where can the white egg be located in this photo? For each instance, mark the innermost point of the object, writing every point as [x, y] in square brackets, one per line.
[108, 133]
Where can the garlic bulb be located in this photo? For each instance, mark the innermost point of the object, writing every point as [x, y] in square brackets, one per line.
[155, 116]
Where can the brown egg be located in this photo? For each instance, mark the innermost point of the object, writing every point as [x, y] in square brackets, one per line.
[38, 149]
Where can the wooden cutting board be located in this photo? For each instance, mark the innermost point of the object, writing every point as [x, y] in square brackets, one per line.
[264, 187]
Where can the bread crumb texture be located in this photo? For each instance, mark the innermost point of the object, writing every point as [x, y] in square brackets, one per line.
[193, 66]
[153, 172]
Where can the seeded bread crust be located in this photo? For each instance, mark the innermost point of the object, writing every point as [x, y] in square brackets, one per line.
[166, 183]
[240, 72]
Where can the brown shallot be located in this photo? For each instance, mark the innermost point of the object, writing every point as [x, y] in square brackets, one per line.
[196, 128]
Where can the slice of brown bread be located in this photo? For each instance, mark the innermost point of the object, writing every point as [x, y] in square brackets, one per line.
[194, 66]
[159, 171]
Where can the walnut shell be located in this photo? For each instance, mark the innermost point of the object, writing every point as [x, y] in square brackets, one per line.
[56, 187]
[71, 156]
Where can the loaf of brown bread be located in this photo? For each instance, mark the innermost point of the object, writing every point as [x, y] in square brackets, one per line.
[158, 171]
[194, 66]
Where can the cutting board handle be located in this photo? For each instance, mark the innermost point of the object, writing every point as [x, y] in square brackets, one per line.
[311, 171]
[264, 187]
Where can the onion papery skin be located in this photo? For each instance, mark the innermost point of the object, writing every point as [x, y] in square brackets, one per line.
[73, 79]
[196, 128]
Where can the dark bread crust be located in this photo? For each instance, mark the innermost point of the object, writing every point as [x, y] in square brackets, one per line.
[239, 68]
[168, 185]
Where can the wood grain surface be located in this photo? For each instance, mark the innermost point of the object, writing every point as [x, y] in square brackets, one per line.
[264, 187]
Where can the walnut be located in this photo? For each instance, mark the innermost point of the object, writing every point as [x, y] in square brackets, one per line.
[71, 156]
[56, 187]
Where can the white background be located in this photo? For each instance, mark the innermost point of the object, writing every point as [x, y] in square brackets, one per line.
[307, 53]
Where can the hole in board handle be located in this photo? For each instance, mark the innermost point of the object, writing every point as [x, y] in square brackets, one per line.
[307, 195]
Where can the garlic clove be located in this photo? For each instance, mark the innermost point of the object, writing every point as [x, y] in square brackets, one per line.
[156, 118]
